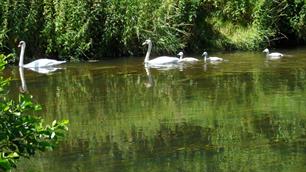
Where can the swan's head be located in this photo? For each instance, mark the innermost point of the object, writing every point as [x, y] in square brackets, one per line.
[265, 50]
[180, 53]
[21, 43]
[148, 41]
[204, 54]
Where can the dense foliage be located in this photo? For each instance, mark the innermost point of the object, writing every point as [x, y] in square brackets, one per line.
[22, 134]
[95, 28]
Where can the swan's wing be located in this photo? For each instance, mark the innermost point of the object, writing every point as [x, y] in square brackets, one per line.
[189, 60]
[215, 59]
[50, 62]
[43, 63]
[276, 55]
[164, 60]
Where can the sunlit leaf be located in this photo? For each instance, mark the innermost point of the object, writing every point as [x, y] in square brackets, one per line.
[52, 135]
[54, 123]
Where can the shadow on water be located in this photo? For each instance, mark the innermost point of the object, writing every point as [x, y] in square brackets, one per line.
[246, 114]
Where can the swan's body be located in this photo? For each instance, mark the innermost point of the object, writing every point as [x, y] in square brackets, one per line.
[186, 59]
[272, 55]
[162, 61]
[42, 63]
[37, 63]
[211, 59]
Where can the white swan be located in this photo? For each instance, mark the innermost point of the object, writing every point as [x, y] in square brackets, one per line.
[272, 55]
[211, 59]
[186, 59]
[37, 63]
[162, 61]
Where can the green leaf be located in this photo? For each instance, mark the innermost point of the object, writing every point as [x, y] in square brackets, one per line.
[54, 123]
[5, 164]
[13, 155]
[52, 135]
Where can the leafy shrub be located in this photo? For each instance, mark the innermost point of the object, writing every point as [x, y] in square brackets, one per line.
[78, 29]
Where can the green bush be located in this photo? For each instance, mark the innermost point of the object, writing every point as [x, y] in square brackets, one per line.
[95, 29]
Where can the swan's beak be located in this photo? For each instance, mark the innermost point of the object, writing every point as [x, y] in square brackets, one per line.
[20, 44]
[144, 43]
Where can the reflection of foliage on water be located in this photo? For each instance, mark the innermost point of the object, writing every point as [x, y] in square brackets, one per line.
[180, 142]
[280, 131]
[22, 134]
[210, 121]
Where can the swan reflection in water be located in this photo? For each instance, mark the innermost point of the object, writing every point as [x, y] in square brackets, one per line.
[41, 70]
[150, 82]
[23, 88]
[211, 65]
[45, 70]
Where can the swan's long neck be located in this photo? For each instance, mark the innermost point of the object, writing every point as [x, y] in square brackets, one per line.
[21, 57]
[205, 57]
[148, 53]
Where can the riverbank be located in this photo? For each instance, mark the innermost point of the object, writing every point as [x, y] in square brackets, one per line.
[81, 30]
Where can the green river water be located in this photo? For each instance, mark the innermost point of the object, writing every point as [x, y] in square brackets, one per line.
[245, 114]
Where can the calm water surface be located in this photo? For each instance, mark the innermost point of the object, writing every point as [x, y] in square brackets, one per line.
[246, 114]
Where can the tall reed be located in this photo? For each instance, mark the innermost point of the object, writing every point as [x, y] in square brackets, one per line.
[82, 29]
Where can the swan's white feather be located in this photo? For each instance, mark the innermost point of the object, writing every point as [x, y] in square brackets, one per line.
[186, 59]
[163, 60]
[214, 59]
[211, 59]
[43, 63]
[189, 59]
[274, 54]
[37, 63]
